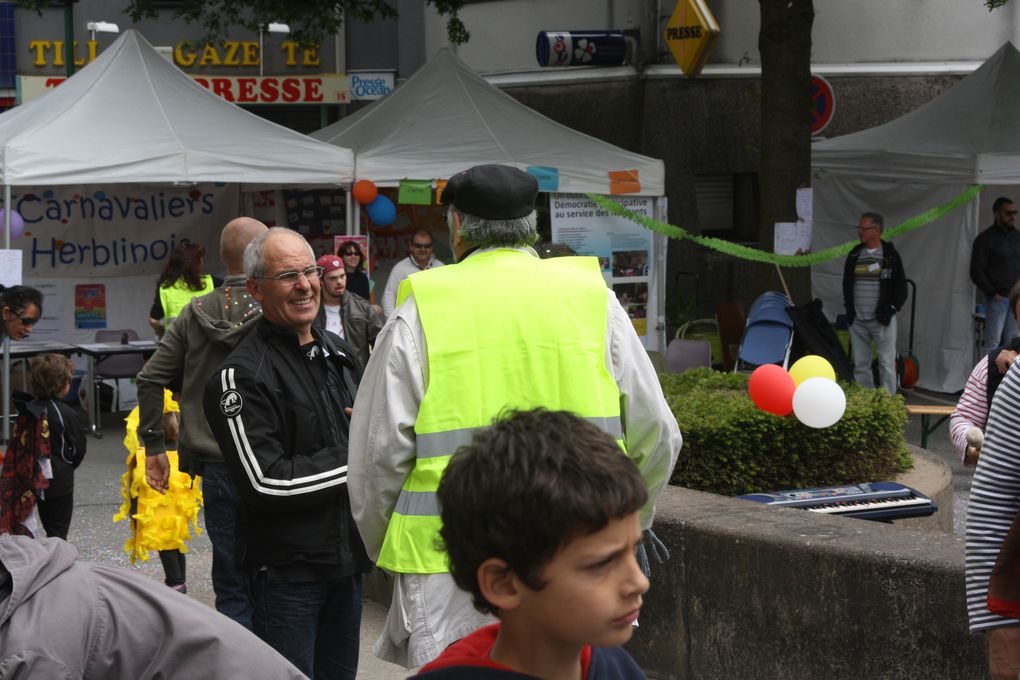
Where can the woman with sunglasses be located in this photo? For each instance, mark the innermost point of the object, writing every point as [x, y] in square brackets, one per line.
[21, 307]
[354, 265]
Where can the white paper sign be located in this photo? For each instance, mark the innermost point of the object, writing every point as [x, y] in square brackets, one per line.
[10, 267]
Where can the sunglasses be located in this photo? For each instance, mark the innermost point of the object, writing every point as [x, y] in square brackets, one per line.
[351, 252]
[27, 321]
[1009, 213]
[422, 246]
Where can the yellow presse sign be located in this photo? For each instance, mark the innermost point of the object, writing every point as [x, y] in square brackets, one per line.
[691, 33]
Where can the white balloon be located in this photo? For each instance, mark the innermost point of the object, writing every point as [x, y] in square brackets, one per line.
[819, 402]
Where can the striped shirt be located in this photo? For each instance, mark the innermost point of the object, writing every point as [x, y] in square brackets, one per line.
[972, 409]
[994, 499]
[867, 276]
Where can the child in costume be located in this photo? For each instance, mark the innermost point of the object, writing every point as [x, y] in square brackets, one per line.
[567, 588]
[159, 521]
[47, 445]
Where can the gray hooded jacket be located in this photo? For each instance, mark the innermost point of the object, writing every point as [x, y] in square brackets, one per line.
[69, 620]
[194, 346]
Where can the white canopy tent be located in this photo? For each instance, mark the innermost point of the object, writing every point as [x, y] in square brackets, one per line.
[446, 118]
[130, 116]
[968, 135]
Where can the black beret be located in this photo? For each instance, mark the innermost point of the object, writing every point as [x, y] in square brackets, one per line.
[493, 192]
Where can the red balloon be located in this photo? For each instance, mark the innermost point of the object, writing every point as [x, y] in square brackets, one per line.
[365, 191]
[771, 388]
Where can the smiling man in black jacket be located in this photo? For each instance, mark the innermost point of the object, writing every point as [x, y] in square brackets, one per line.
[277, 407]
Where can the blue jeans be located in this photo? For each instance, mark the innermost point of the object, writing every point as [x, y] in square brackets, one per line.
[1000, 326]
[862, 334]
[316, 625]
[233, 598]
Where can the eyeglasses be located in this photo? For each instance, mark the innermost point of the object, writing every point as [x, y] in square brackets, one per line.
[422, 246]
[291, 278]
[29, 321]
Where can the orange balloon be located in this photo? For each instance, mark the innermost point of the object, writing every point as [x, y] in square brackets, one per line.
[365, 191]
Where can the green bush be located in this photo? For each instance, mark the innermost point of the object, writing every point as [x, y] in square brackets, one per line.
[732, 447]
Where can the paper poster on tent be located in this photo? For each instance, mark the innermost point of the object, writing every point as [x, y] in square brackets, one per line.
[90, 305]
[415, 192]
[55, 308]
[10, 267]
[623, 247]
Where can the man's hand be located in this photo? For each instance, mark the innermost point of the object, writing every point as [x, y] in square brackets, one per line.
[157, 472]
[378, 310]
[1004, 653]
[970, 456]
[1005, 360]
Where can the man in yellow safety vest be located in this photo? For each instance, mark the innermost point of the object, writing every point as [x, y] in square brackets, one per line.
[504, 329]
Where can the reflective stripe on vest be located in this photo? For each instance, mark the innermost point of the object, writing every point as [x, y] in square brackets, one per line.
[176, 297]
[504, 330]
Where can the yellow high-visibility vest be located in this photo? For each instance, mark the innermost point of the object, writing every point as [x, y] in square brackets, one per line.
[503, 330]
[177, 296]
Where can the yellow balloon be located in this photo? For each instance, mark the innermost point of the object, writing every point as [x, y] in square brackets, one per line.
[811, 366]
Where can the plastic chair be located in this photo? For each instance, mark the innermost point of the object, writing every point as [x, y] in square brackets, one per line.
[683, 354]
[768, 335]
[116, 367]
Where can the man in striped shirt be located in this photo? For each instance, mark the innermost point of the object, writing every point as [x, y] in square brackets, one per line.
[994, 500]
[874, 289]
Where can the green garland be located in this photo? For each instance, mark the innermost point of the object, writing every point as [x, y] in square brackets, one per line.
[805, 260]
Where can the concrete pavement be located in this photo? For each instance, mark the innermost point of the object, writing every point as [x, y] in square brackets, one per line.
[99, 539]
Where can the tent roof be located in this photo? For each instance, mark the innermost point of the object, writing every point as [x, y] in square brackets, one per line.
[446, 118]
[970, 133]
[131, 116]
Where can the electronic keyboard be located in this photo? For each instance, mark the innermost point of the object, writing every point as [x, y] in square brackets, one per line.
[882, 501]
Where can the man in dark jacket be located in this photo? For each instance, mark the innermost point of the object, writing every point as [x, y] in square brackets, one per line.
[279, 407]
[994, 268]
[874, 289]
[341, 312]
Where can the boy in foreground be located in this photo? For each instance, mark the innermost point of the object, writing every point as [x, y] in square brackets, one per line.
[540, 521]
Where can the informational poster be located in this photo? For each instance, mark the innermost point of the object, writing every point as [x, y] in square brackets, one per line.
[318, 211]
[624, 248]
[90, 305]
[10, 267]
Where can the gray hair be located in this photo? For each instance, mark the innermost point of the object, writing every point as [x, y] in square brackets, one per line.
[482, 233]
[876, 219]
[254, 263]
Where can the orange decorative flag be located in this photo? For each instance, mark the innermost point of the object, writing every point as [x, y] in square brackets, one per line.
[624, 182]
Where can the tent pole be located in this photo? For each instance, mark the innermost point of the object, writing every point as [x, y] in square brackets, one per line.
[350, 210]
[7, 339]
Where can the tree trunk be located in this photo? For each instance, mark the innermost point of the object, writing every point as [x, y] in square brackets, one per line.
[784, 42]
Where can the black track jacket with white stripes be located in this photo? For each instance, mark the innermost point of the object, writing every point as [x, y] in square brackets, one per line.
[276, 410]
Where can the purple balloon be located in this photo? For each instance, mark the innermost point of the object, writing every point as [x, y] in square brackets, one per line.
[381, 211]
[17, 224]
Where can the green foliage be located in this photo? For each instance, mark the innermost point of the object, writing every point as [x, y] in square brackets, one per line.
[732, 447]
[311, 21]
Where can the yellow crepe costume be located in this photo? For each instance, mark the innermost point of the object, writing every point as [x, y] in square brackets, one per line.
[159, 521]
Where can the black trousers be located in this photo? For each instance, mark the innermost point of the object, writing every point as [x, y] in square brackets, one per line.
[55, 514]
